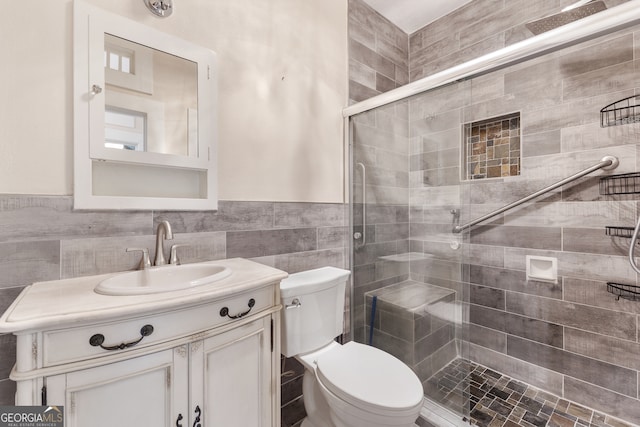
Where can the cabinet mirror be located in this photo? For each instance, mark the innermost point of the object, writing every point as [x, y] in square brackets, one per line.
[144, 116]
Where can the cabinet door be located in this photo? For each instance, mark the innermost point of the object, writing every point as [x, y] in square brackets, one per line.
[238, 386]
[144, 391]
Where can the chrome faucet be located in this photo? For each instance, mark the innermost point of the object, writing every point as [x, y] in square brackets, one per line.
[163, 232]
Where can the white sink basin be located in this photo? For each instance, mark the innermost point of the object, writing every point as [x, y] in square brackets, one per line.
[162, 279]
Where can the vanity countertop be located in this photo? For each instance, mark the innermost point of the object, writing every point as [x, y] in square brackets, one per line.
[68, 302]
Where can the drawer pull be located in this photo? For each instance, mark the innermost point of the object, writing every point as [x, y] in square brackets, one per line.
[97, 340]
[196, 423]
[178, 423]
[224, 311]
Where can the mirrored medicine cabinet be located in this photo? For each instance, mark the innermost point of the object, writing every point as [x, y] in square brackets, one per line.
[144, 116]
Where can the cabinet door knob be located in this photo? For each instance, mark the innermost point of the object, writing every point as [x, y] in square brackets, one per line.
[178, 423]
[224, 311]
[98, 339]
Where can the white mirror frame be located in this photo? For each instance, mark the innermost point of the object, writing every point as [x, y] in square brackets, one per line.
[90, 25]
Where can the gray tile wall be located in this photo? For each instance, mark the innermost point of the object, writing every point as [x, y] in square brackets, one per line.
[42, 238]
[378, 53]
[571, 338]
[477, 28]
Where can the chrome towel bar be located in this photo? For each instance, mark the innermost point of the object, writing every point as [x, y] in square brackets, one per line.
[607, 163]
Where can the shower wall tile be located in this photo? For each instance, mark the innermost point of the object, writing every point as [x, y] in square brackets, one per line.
[585, 215]
[384, 84]
[602, 81]
[612, 350]
[433, 342]
[577, 265]
[358, 91]
[438, 141]
[488, 297]
[512, 280]
[594, 293]
[540, 144]
[523, 237]
[601, 399]
[379, 45]
[555, 332]
[591, 240]
[494, 191]
[361, 74]
[524, 327]
[491, 23]
[592, 136]
[389, 232]
[363, 54]
[559, 166]
[606, 322]
[574, 113]
[488, 338]
[490, 256]
[606, 375]
[487, 45]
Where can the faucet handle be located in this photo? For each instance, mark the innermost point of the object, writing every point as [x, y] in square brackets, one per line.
[145, 262]
[173, 255]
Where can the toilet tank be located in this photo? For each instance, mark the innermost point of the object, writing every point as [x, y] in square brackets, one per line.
[313, 309]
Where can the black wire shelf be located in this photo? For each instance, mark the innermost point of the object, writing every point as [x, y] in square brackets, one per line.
[613, 231]
[626, 183]
[628, 292]
[622, 112]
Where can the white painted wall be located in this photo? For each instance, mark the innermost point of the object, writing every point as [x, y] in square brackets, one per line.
[283, 83]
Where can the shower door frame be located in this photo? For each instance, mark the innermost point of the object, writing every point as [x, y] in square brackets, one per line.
[591, 27]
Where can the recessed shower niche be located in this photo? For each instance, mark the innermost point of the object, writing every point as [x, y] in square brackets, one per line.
[491, 147]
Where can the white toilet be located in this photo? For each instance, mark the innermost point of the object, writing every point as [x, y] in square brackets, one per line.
[351, 385]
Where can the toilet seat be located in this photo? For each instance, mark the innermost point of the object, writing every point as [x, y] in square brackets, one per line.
[369, 378]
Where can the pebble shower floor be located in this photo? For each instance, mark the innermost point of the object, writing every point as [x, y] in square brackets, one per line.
[497, 400]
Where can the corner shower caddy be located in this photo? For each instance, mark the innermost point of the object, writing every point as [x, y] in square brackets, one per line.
[627, 183]
[629, 292]
[622, 112]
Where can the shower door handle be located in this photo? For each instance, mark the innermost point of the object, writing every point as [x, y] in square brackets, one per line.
[357, 235]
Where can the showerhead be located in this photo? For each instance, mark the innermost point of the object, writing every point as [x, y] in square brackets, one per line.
[569, 14]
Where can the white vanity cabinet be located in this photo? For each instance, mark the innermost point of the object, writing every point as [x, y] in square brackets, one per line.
[208, 359]
[143, 391]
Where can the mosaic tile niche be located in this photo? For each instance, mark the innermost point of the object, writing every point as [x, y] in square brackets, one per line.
[492, 147]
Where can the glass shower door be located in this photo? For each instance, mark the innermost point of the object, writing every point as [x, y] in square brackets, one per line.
[410, 289]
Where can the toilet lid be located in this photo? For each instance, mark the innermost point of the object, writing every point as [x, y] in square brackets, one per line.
[369, 378]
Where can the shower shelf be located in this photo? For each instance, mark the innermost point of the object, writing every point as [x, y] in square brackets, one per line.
[626, 232]
[621, 112]
[630, 292]
[626, 183]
